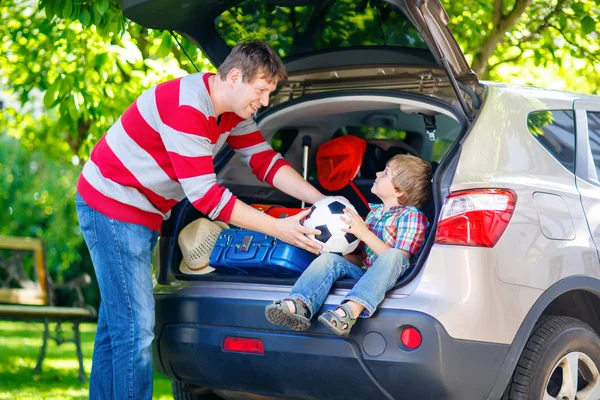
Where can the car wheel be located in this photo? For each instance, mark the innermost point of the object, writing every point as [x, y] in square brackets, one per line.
[560, 361]
[187, 392]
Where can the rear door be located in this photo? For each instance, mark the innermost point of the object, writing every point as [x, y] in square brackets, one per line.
[341, 33]
[587, 114]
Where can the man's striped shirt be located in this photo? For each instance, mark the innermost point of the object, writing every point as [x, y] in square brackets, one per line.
[161, 150]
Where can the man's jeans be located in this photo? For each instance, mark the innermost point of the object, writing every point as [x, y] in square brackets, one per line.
[314, 284]
[122, 254]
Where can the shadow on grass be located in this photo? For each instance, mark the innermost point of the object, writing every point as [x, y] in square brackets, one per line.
[20, 344]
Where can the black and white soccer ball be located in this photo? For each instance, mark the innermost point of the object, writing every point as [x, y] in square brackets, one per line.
[325, 216]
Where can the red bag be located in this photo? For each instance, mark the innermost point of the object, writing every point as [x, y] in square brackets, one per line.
[338, 163]
[277, 211]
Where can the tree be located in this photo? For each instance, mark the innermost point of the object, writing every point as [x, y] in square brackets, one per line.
[560, 35]
[87, 64]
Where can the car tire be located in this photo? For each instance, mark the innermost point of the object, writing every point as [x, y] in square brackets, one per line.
[182, 391]
[556, 345]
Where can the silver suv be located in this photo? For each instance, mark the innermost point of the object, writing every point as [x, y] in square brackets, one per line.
[503, 301]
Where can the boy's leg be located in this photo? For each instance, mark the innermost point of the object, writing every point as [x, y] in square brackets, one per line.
[314, 284]
[370, 290]
[122, 255]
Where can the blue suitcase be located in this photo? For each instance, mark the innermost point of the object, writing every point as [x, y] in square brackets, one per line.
[240, 251]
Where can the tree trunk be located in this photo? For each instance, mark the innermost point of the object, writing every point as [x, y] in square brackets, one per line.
[502, 24]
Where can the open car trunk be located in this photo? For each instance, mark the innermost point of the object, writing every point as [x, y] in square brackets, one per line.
[389, 71]
[391, 122]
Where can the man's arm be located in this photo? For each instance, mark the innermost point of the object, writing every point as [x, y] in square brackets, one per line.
[268, 165]
[291, 183]
[287, 229]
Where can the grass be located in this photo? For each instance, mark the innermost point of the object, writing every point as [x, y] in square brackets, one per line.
[20, 344]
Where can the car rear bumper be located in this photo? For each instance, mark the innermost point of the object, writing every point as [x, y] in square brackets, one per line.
[314, 364]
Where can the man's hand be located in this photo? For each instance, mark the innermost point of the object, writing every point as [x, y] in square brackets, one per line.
[356, 225]
[290, 231]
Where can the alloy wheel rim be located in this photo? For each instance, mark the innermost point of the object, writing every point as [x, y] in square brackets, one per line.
[574, 377]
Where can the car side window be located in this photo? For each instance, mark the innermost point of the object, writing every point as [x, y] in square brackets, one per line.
[555, 130]
[594, 138]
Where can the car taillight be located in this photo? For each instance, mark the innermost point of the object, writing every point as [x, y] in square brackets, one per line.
[475, 217]
[243, 345]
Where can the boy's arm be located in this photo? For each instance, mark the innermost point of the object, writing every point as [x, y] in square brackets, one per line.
[378, 245]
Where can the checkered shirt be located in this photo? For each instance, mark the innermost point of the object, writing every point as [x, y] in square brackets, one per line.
[401, 227]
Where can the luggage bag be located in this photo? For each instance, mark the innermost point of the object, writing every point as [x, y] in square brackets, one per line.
[241, 251]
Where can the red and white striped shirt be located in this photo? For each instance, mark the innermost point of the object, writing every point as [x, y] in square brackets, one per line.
[161, 150]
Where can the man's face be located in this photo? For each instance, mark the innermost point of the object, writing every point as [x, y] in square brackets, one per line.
[248, 97]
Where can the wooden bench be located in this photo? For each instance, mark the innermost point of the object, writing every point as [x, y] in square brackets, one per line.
[32, 296]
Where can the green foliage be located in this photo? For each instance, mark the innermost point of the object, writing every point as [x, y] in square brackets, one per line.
[538, 42]
[87, 76]
[37, 199]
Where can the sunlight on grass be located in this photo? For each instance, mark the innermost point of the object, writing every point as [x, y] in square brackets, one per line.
[20, 344]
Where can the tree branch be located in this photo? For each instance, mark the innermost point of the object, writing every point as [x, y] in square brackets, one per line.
[507, 60]
[497, 16]
[513, 16]
[589, 54]
[546, 22]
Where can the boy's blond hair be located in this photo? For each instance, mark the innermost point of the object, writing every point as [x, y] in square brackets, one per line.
[412, 176]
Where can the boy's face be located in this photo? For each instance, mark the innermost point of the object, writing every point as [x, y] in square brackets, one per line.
[247, 97]
[383, 186]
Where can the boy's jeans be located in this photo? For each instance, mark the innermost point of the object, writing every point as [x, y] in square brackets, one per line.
[314, 284]
[122, 255]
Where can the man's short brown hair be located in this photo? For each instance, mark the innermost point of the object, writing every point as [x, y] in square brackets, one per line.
[412, 176]
[256, 59]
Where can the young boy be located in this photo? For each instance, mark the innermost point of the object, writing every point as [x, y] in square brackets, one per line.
[393, 234]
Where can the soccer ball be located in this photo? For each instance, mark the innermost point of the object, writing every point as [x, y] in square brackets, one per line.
[325, 216]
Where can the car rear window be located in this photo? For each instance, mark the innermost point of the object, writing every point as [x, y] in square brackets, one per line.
[555, 130]
[292, 28]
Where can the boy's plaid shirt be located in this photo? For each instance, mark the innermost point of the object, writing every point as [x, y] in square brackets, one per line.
[401, 227]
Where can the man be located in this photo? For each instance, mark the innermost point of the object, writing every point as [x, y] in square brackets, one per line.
[159, 152]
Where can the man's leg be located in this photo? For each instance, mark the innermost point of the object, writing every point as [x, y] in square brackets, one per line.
[101, 379]
[314, 284]
[122, 255]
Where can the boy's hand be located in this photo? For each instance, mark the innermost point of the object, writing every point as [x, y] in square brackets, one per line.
[356, 225]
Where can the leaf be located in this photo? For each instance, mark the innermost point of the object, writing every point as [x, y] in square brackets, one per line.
[578, 8]
[67, 9]
[85, 17]
[49, 10]
[51, 95]
[165, 46]
[562, 20]
[588, 25]
[58, 7]
[96, 17]
[102, 6]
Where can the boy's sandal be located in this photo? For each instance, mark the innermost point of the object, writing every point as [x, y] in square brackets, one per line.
[340, 325]
[278, 313]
